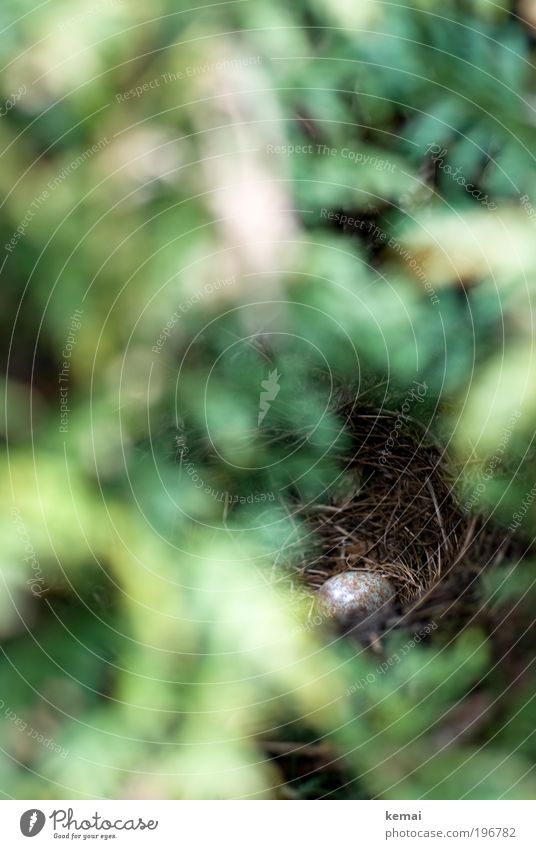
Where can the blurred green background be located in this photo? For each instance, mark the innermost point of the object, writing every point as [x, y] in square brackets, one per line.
[193, 198]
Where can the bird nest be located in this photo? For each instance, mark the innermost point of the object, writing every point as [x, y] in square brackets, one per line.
[392, 511]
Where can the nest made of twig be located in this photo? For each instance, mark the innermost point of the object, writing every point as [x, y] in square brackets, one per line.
[393, 510]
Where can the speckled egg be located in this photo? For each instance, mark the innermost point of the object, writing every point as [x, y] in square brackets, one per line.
[353, 596]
